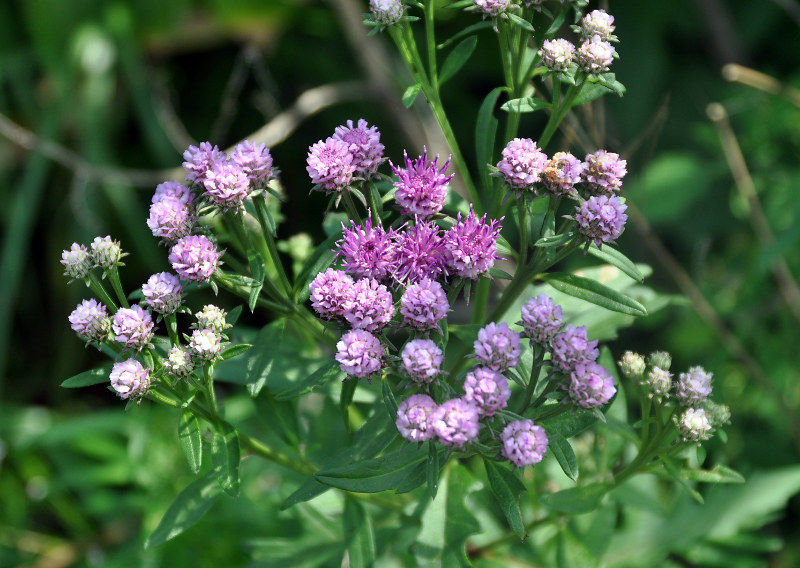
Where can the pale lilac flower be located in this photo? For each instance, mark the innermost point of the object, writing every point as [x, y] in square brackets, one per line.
[329, 292]
[571, 347]
[455, 422]
[227, 186]
[694, 386]
[130, 379]
[364, 143]
[330, 165]
[493, 8]
[163, 292]
[632, 365]
[77, 261]
[172, 190]
[562, 173]
[194, 258]
[421, 188]
[413, 418]
[368, 251]
[603, 172]
[522, 165]
[255, 161]
[199, 160]
[694, 425]
[179, 362]
[359, 353]
[471, 245]
[106, 252]
[90, 320]
[590, 385]
[423, 304]
[487, 389]
[524, 443]
[541, 319]
[595, 56]
[213, 318]
[497, 346]
[557, 54]
[387, 12]
[422, 360]
[601, 218]
[368, 306]
[205, 344]
[133, 327]
[598, 23]
[657, 383]
[420, 254]
[170, 219]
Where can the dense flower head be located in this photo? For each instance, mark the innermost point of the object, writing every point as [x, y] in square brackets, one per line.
[170, 218]
[471, 245]
[557, 54]
[255, 161]
[497, 347]
[199, 159]
[106, 252]
[423, 304]
[562, 173]
[422, 360]
[487, 389]
[718, 414]
[213, 318]
[194, 257]
[179, 362]
[603, 172]
[660, 359]
[329, 292]
[413, 418]
[632, 365]
[364, 143]
[133, 327]
[601, 218]
[590, 385]
[571, 347]
[421, 188]
[330, 164]
[368, 251]
[226, 186]
[595, 56]
[541, 319]
[90, 320]
[368, 306]
[163, 292]
[598, 23]
[455, 422]
[420, 254]
[205, 344]
[359, 353]
[492, 8]
[694, 386]
[130, 379]
[657, 383]
[77, 261]
[524, 443]
[172, 190]
[693, 425]
[523, 164]
[387, 12]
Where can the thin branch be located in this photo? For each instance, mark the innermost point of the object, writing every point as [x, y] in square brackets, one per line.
[744, 75]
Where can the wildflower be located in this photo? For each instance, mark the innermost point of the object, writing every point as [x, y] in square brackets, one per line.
[368, 306]
[562, 173]
[90, 320]
[421, 188]
[571, 347]
[598, 23]
[106, 252]
[694, 425]
[493, 8]
[524, 443]
[162, 292]
[557, 54]
[595, 56]
[718, 414]
[170, 218]
[387, 12]
[541, 319]
[368, 251]
[471, 245]
[133, 327]
[420, 254]
[487, 389]
[590, 385]
[423, 304]
[227, 186]
[364, 143]
[522, 165]
[359, 353]
[205, 344]
[603, 172]
[130, 379]
[660, 359]
[194, 258]
[172, 190]
[255, 161]
[329, 292]
[77, 261]
[413, 418]
[199, 160]
[601, 218]
[179, 362]
[330, 165]
[213, 318]
[657, 383]
[455, 422]
[694, 386]
[497, 346]
[422, 360]
[632, 365]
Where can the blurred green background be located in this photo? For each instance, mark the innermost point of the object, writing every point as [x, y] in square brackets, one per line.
[99, 98]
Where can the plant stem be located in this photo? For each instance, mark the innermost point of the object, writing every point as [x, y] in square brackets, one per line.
[113, 277]
[97, 287]
[269, 239]
[350, 207]
[172, 328]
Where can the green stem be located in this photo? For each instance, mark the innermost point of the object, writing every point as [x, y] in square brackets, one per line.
[259, 448]
[481, 300]
[533, 380]
[261, 211]
[523, 231]
[430, 8]
[97, 287]
[172, 328]
[350, 207]
[113, 277]
[558, 113]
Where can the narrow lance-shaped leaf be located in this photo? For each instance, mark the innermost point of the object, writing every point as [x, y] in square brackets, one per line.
[268, 348]
[562, 450]
[594, 293]
[575, 500]
[507, 489]
[457, 58]
[358, 534]
[525, 104]
[226, 457]
[376, 474]
[485, 133]
[88, 378]
[410, 95]
[614, 257]
[191, 440]
[325, 374]
[320, 259]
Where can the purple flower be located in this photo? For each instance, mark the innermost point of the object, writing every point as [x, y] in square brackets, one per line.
[106, 252]
[387, 12]
[421, 188]
[603, 172]
[598, 23]
[694, 425]
[170, 219]
[359, 353]
[172, 190]
[368, 306]
[562, 173]
[227, 186]
[329, 292]
[213, 318]
[413, 418]
[591, 385]
[524, 443]
[205, 344]
[493, 8]
[422, 360]
[364, 143]
[130, 379]
[194, 258]
[487, 389]
[571, 347]
[179, 362]
[90, 320]
[133, 327]
[201, 159]
[657, 383]
[541, 319]
[423, 304]
[694, 386]
[162, 292]
[368, 252]
[330, 165]
[522, 165]
[471, 245]
[455, 422]
[557, 54]
[595, 56]
[601, 218]
[497, 346]
[77, 261]
[255, 161]
[420, 254]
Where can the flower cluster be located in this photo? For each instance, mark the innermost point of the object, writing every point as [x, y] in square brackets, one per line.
[595, 54]
[353, 153]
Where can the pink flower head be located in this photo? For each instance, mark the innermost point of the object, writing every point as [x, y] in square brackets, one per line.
[694, 425]
[422, 360]
[497, 346]
[571, 347]
[541, 319]
[387, 12]
[364, 143]
[421, 254]
[590, 385]
[329, 292]
[368, 306]
[227, 186]
[77, 261]
[90, 320]
[562, 173]
[359, 353]
[255, 161]
[524, 443]
[413, 418]
[598, 23]
[487, 390]
[421, 188]
[130, 379]
[198, 160]
[601, 218]
[557, 54]
[471, 245]
[455, 422]
[133, 327]
[694, 386]
[205, 344]
[522, 165]
[493, 8]
[423, 304]
[368, 251]
[595, 56]
[172, 190]
[163, 292]
[194, 258]
[170, 218]
[213, 318]
[603, 172]
[106, 252]
[330, 165]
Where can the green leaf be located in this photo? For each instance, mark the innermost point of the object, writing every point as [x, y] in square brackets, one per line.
[268, 347]
[594, 293]
[466, 31]
[575, 500]
[233, 315]
[590, 92]
[322, 257]
[388, 398]
[568, 425]
[555, 240]
[375, 474]
[485, 133]
[614, 257]
[501, 274]
[191, 441]
[310, 489]
[562, 450]
[346, 398]
[89, 378]
[524, 24]
[457, 58]
[525, 104]
[234, 351]
[434, 469]
[279, 416]
[226, 457]
[189, 506]
[358, 532]
[410, 95]
[507, 489]
[258, 272]
[330, 371]
[719, 474]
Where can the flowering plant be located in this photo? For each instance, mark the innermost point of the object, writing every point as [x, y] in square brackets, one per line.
[434, 320]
